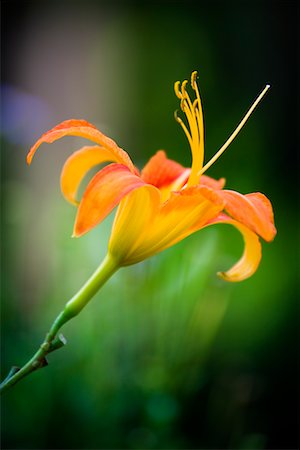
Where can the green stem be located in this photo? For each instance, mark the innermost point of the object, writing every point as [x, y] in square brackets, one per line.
[51, 343]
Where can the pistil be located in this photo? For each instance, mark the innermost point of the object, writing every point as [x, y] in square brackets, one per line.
[234, 134]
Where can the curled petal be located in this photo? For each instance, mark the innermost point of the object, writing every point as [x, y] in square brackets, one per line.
[77, 165]
[251, 257]
[102, 194]
[86, 130]
[161, 171]
[253, 210]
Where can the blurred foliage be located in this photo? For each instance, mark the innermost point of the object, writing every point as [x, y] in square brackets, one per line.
[166, 355]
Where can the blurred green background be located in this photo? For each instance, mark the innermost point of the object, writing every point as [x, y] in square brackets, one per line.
[166, 356]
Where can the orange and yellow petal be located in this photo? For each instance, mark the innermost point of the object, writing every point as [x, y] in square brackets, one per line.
[161, 171]
[103, 193]
[135, 217]
[249, 262]
[85, 130]
[206, 204]
[77, 166]
[160, 226]
[253, 210]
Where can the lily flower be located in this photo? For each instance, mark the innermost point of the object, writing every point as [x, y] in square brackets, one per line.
[165, 202]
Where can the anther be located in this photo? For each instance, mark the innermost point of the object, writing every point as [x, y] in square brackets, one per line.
[183, 87]
[177, 118]
[177, 90]
[193, 79]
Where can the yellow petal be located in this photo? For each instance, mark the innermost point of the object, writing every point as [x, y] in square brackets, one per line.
[78, 164]
[133, 222]
[249, 262]
[155, 226]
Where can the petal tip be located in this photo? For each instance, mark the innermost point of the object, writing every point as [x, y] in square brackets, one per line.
[224, 276]
[77, 233]
[222, 182]
[29, 159]
[272, 233]
[72, 201]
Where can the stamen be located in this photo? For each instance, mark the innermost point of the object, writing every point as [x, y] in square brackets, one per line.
[236, 131]
[176, 117]
[177, 90]
[183, 88]
[187, 107]
[191, 118]
[182, 124]
[194, 78]
[194, 130]
[200, 117]
[186, 96]
[198, 156]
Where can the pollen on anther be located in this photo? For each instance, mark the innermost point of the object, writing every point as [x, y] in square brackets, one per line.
[177, 118]
[183, 87]
[194, 78]
[177, 90]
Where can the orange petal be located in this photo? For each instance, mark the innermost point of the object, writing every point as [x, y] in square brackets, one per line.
[78, 164]
[86, 130]
[251, 257]
[211, 182]
[102, 194]
[253, 210]
[188, 211]
[161, 171]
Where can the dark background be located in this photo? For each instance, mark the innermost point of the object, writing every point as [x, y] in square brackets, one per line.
[182, 360]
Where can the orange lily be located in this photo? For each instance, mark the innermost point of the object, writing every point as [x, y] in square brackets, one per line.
[165, 202]
[157, 208]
